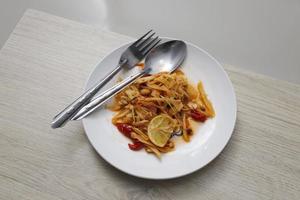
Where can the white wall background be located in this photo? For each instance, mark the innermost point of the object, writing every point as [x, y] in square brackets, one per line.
[258, 35]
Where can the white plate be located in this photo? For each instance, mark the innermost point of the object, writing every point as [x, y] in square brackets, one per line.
[207, 142]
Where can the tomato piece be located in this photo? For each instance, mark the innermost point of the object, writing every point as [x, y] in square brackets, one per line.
[136, 146]
[125, 129]
[198, 116]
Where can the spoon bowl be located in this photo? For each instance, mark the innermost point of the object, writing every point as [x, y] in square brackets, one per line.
[166, 57]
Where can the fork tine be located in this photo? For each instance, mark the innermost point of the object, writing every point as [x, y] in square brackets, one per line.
[145, 41]
[136, 42]
[147, 45]
[146, 50]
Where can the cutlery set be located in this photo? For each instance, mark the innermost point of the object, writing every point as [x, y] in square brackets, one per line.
[164, 57]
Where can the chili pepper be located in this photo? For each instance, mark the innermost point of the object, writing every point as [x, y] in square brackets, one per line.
[198, 116]
[136, 146]
[125, 129]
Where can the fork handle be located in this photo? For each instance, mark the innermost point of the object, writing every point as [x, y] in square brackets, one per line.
[106, 95]
[65, 115]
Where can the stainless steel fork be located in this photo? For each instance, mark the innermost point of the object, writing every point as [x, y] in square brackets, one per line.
[131, 56]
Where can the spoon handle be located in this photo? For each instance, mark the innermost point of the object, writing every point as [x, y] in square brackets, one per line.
[106, 95]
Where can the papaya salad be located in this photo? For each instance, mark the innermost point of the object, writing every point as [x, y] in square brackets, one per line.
[156, 107]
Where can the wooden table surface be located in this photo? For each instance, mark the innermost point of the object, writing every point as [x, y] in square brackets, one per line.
[44, 65]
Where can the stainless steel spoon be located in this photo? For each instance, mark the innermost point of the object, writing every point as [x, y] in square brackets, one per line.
[166, 57]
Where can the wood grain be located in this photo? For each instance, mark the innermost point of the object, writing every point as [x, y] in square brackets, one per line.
[44, 64]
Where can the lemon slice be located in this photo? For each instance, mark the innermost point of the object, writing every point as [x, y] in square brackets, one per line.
[160, 129]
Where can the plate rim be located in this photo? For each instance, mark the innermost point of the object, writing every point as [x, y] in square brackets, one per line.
[212, 157]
